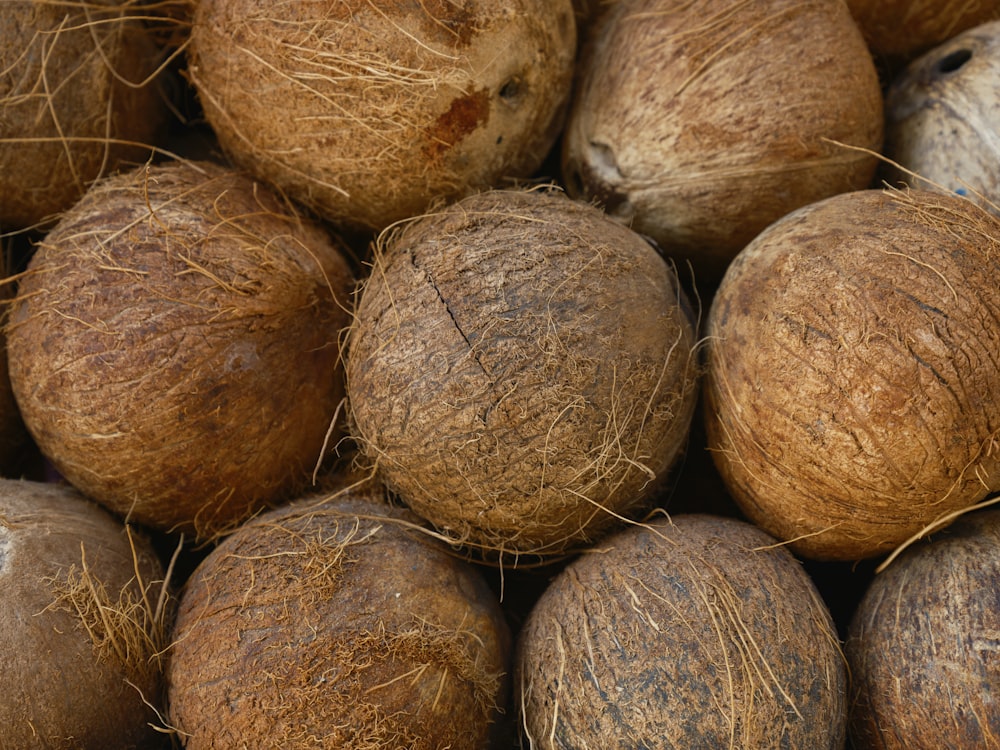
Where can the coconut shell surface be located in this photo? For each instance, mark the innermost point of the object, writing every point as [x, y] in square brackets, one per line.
[77, 99]
[700, 123]
[852, 381]
[369, 111]
[521, 370]
[698, 632]
[943, 118]
[337, 623]
[79, 666]
[174, 346]
[922, 645]
[897, 31]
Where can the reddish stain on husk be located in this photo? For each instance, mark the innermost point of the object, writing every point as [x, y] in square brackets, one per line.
[465, 114]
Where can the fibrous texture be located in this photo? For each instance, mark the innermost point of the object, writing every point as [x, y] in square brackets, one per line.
[692, 633]
[337, 623]
[174, 346]
[853, 370]
[521, 370]
[700, 123]
[84, 613]
[368, 111]
[923, 641]
[78, 98]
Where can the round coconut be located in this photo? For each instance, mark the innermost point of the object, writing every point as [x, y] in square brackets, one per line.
[852, 382]
[922, 645]
[337, 622]
[521, 370]
[943, 118]
[174, 346]
[78, 97]
[701, 123]
[84, 613]
[696, 632]
[369, 111]
[897, 31]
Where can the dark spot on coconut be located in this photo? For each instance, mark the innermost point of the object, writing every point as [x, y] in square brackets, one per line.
[953, 61]
[512, 90]
[465, 114]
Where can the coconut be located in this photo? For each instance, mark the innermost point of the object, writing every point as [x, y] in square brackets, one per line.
[701, 123]
[696, 632]
[897, 31]
[852, 381]
[337, 621]
[520, 370]
[78, 97]
[367, 112]
[84, 612]
[922, 645]
[943, 118]
[174, 346]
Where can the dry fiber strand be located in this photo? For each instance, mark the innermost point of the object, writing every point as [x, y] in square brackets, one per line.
[520, 370]
[852, 381]
[174, 346]
[337, 622]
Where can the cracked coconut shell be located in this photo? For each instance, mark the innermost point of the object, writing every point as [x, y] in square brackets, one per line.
[852, 381]
[78, 97]
[174, 346]
[82, 623]
[700, 123]
[696, 632]
[520, 370]
[337, 622]
[367, 112]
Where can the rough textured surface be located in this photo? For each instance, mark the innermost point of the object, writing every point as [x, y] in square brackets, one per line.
[853, 370]
[79, 625]
[898, 31]
[368, 111]
[521, 370]
[337, 623]
[923, 643]
[700, 123]
[943, 118]
[174, 346]
[70, 106]
[695, 633]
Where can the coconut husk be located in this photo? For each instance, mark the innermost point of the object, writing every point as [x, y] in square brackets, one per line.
[337, 622]
[174, 346]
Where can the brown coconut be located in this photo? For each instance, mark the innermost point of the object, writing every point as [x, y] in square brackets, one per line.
[897, 31]
[368, 111]
[84, 614]
[700, 123]
[337, 622]
[78, 98]
[852, 383]
[923, 641]
[520, 370]
[174, 346]
[700, 632]
[943, 118]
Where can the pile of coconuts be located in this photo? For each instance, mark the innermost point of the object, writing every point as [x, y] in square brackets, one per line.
[566, 374]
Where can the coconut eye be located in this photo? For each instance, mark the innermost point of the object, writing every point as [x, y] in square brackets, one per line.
[511, 91]
[953, 61]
